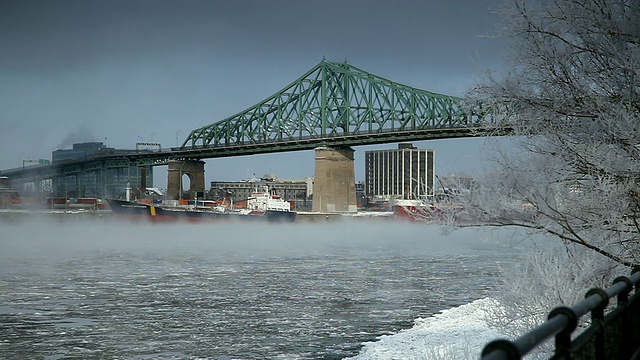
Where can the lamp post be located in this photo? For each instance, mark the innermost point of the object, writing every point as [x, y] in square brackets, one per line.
[177, 132]
[152, 136]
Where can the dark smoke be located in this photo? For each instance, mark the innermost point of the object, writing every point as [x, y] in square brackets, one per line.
[80, 135]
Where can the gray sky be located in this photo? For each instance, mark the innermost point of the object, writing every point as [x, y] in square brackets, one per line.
[122, 71]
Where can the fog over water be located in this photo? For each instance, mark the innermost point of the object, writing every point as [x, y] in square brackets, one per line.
[114, 289]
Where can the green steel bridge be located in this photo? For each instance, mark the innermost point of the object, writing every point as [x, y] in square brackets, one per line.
[334, 104]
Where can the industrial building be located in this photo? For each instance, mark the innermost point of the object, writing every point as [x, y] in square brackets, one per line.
[403, 173]
[457, 184]
[298, 191]
[110, 182]
[8, 196]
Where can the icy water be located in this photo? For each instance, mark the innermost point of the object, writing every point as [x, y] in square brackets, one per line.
[108, 289]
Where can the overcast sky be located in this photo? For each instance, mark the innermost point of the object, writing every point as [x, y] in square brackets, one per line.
[122, 71]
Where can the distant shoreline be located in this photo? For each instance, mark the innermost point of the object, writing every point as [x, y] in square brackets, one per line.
[302, 217]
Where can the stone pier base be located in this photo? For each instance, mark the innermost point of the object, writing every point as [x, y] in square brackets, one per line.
[334, 188]
[194, 169]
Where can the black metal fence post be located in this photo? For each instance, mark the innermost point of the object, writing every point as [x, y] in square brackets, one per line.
[625, 325]
[634, 314]
[615, 335]
[563, 338]
[597, 319]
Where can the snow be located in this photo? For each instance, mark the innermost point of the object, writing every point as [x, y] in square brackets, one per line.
[456, 333]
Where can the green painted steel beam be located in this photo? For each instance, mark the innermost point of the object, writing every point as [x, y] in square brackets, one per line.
[333, 104]
[336, 99]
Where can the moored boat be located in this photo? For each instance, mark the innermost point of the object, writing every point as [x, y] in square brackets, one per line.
[262, 206]
[408, 209]
[421, 211]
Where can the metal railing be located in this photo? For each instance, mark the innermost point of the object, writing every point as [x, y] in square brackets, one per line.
[615, 335]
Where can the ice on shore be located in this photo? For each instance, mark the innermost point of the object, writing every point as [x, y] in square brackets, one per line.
[456, 333]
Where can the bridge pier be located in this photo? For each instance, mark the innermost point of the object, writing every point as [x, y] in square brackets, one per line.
[194, 169]
[334, 188]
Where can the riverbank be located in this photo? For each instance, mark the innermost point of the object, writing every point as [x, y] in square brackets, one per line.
[62, 214]
[11, 215]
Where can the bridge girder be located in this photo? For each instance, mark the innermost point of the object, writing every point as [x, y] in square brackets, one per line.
[332, 100]
[333, 104]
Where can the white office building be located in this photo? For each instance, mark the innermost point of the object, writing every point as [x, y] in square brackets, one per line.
[403, 173]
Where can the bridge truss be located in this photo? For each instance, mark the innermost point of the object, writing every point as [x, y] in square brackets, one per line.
[334, 104]
[338, 104]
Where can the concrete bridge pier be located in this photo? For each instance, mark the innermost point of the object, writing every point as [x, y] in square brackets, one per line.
[334, 188]
[194, 169]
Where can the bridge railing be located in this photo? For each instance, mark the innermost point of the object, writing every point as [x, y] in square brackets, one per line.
[615, 335]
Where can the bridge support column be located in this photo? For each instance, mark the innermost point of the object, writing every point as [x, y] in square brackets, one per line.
[194, 169]
[334, 188]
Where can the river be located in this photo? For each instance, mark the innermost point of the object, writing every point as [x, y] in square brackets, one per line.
[101, 288]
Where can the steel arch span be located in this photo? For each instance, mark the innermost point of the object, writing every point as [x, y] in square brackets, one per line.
[336, 103]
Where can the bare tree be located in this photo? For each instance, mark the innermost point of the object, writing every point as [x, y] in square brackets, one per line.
[572, 101]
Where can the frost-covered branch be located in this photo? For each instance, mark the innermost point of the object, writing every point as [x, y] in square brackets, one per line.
[574, 108]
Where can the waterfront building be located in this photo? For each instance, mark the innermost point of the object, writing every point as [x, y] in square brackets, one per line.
[8, 196]
[403, 173]
[456, 184]
[298, 191]
[100, 183]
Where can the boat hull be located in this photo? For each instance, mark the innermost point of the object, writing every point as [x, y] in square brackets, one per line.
[416, 210]
[138, 211]
[412, 210]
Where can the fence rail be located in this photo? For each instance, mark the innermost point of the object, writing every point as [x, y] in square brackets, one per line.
[615, 335]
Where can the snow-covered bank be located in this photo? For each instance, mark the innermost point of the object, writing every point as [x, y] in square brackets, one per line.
[456, 333]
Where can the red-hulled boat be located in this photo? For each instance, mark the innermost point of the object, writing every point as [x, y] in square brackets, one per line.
[261, 206]
[421, 211]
